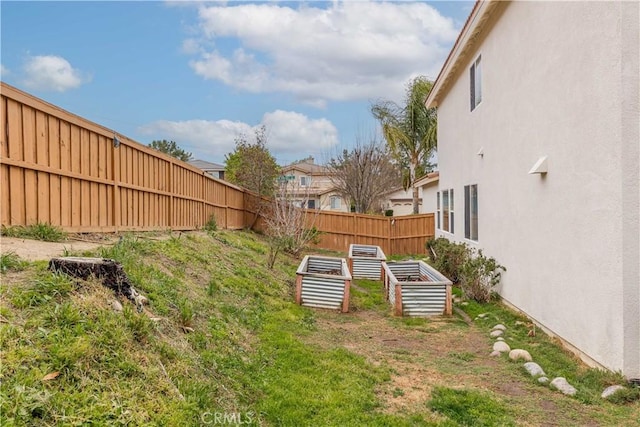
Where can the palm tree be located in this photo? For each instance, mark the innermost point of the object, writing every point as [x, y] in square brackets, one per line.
[410, 130]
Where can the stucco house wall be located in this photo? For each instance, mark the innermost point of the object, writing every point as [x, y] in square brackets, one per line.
[428, 191]
[559, 79]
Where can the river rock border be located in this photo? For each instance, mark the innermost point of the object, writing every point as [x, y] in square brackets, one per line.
[500, 346]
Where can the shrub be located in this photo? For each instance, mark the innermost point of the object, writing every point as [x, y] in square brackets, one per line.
[479, 275]
[476, 274]
[211, 225]
[447, 257]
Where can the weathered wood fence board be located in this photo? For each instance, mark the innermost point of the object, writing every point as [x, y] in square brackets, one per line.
[59, 168]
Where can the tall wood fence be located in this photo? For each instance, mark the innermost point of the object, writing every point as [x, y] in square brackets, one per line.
[61, 169]
[395, 235]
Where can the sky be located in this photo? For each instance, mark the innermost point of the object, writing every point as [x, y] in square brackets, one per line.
[205, 73]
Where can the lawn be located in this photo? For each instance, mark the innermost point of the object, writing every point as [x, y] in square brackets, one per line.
[221, 341]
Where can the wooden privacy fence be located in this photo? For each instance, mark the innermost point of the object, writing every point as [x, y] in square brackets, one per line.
[395, 235]
[61, 169]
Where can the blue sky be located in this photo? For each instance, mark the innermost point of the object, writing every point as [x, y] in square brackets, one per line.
[202, 73]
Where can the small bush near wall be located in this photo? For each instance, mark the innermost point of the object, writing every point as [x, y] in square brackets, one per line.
[479, 275]
[447, 257]
[475, 273]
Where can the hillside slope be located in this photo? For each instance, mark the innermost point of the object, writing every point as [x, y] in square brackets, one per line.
[222, 342]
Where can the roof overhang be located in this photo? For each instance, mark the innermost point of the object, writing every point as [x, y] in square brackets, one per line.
[427, 179]
[463, 47]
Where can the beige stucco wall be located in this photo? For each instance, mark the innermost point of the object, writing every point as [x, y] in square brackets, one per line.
[558, 80]
[429, 201]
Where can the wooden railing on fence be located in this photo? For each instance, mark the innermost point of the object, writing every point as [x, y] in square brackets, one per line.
[59, 168]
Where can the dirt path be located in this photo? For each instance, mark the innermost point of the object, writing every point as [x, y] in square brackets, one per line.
[34, 250]
[444, 352]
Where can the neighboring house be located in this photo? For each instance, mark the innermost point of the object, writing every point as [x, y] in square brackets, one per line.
[539, 159]
[428, 186]
[311, 187]
[400, 201]
[213, 169]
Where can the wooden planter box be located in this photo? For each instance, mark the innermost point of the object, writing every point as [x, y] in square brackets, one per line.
[323, 282]
[365, 261]
[414, 288]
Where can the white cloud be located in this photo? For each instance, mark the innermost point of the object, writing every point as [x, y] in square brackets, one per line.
[4, 71]
[50, 72]
[289, 133]
[348, 51]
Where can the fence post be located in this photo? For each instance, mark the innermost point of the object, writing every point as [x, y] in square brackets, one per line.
[171, 189]
[117, 215]
[390, 231]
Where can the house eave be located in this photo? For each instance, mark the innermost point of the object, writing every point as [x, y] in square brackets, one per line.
[463, 47]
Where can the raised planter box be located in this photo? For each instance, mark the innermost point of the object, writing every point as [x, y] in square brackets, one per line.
[323, 282]
[414, 288]
[365, 261]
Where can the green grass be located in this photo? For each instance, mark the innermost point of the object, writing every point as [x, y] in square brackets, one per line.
[10, 261]
[470, 407]
[38, 231]
[546, 351]
[251, 350]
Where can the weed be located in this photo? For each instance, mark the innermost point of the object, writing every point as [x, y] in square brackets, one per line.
[46, 287]
[464, 356]
[10, 261]
[38, 231]
[186, 313]
[469, 407]
[138, 324]
[211, 225]
[212, 287]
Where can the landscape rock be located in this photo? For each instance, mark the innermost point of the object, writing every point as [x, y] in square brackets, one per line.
[483, 315]
[520, 323]
[562, 385]
[611, 390]
[534, 369]
[543, 380]
[496, 333]
[115, 304]
[501, 346]
[499, 327]
[518, 354]
[499, 339]
[495, 353]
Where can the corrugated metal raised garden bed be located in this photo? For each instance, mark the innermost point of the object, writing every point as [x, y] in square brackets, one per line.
[414, 288]
[365, 261]
[323, 282]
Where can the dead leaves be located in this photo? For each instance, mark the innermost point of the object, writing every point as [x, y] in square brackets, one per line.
[50, 376]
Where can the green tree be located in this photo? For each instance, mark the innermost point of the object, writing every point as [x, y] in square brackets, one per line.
[410, 130]
[171, 148]
[252, 166]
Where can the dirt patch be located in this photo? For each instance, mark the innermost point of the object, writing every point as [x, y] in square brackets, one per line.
[35, 250]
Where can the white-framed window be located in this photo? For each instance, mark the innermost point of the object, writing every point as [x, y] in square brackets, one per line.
[475, 75]
[311, 204]
[447, 211]
[471, 212]
[336, 202]
[438, 224]
[305, 181]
